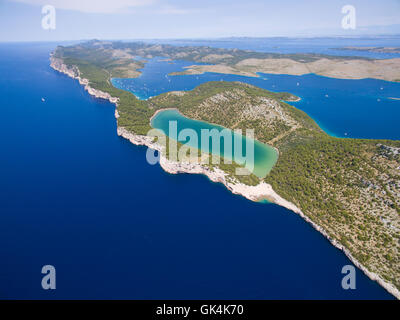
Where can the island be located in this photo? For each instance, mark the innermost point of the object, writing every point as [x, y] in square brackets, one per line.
[372, 49]
[347, 189]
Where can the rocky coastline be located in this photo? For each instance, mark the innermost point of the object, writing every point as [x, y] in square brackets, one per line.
[57, 64]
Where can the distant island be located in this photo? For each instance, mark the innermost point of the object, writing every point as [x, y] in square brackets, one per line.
[348, 189]
[372, 49]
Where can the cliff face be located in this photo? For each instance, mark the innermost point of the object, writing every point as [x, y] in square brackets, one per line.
[73, 72]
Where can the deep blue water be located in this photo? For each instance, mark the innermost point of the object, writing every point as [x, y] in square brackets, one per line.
[344, 108]
[75, 195]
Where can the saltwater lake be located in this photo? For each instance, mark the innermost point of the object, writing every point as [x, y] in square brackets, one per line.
[259, 158]
[75, 195]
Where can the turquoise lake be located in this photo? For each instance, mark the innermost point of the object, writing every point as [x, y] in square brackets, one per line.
[261, 161]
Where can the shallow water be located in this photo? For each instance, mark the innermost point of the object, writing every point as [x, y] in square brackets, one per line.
[259, 157]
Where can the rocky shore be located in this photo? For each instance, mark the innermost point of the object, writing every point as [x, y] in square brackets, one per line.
[253, 193]
[57, 64]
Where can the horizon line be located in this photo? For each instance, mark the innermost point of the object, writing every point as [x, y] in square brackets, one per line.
[208, 38]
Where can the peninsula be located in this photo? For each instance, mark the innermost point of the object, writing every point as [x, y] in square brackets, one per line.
[348, 189]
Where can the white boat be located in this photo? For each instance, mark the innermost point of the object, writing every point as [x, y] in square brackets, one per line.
[43, 100]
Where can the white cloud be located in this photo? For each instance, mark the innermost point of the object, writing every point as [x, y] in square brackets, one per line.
[90, 6]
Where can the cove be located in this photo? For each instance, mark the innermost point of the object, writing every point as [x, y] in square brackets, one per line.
[260, 158]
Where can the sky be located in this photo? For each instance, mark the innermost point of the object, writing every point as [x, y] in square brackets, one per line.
[21, 20]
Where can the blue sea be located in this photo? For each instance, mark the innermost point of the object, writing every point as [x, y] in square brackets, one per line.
[76, 196]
